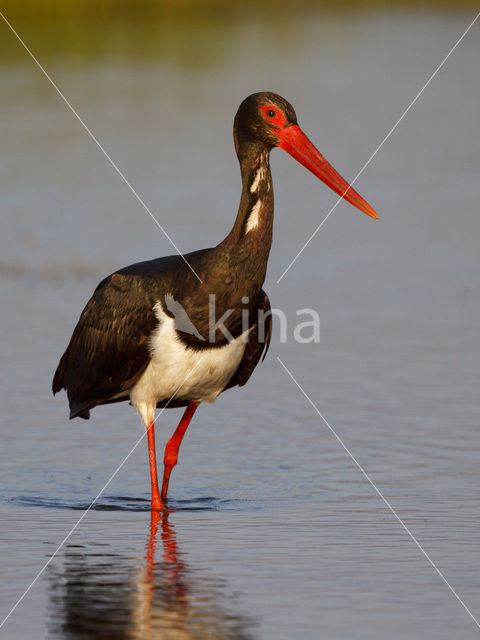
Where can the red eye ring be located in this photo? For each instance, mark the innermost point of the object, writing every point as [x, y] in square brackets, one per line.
[275, 116]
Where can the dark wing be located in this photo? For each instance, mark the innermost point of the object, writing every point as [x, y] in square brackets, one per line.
[108, 350]
[258, 343]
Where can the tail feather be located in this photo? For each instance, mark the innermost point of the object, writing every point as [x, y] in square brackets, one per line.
[79, 409]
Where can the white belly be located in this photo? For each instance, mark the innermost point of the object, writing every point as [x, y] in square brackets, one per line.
[183, 374]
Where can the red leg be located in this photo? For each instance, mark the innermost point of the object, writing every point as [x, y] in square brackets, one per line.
[156, 500]
[173, 445]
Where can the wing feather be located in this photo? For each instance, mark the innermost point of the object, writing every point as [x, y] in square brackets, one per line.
[108, 350]
[258, 343]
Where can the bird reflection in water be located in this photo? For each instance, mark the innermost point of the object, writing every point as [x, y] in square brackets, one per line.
[104, 595]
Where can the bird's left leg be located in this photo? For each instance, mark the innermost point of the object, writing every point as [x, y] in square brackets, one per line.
[156, 500]
[173, 445]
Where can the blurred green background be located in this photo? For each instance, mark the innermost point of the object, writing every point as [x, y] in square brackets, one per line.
[186, 32]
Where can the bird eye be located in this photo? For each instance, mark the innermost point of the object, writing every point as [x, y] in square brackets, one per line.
[275, 116]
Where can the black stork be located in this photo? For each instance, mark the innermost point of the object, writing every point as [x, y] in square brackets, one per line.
[131, 342]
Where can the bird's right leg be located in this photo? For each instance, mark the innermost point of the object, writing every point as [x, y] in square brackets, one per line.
[173, 445]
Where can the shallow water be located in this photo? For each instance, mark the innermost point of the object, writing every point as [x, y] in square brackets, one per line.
[272, 532]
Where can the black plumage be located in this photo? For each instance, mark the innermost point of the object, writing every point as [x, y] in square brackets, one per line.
[109, 348]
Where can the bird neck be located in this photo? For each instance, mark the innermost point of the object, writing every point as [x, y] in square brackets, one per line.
[251, 235]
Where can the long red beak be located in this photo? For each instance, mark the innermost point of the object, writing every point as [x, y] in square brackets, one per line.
[296, 143]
